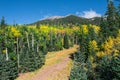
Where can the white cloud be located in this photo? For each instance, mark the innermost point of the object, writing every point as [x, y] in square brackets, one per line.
[88, 14]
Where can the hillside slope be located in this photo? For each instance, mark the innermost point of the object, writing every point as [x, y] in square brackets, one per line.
[69, 20]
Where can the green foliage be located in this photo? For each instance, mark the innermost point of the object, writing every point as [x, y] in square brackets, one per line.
[70, 21]
[79, 57]
[66, 42]
[2, 22]
[78, 72]
[25, 47]
[8, 69]
[116, 67]
[110, 24]
[104, 70]
[31, 61]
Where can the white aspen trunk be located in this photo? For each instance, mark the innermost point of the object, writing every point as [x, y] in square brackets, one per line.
[28, 41]
[18, 58]
[7, 58]
[32, 42]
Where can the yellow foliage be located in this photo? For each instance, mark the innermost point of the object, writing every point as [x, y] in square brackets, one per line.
[93, 45]
[118, 33]
[116, 55]
[100, 54]
[94, 65]
[62, 41]
[85, 68]
[4, 51]
[108, 46]
[116, 51]
[1, 31]
[16, 33]
[44, 28]
[61, 31]
[85, 29]
[96, 28]
[91, 58]
[75, 28]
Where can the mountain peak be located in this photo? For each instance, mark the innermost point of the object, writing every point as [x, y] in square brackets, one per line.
[54, 17]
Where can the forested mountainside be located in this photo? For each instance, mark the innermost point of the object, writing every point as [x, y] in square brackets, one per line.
[70, 20]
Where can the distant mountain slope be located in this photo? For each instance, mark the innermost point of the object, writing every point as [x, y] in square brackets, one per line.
[69, 20]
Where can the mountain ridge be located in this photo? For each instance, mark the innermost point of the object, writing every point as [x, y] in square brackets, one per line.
[68, 20]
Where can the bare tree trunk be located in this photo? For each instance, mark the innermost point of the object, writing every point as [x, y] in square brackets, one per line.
[18, 57]
[28, 41]
[7, 58]
[32, 42]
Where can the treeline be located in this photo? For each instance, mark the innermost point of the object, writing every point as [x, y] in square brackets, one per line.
[99, 55]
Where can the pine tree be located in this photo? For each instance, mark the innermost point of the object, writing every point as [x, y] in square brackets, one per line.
[78, 72]
[118, 15]
[38, 25]
[8, 69]
[3, 22]
[116, 67]
[111, 19]
[66, 41]
[104, 69]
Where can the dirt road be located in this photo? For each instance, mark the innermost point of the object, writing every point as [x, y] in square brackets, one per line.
[57, 66]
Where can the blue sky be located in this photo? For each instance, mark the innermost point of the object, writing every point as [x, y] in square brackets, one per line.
[28, 11]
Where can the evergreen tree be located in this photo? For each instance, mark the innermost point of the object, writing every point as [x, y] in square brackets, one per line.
[3, 22]
[104, 69]
[111, 19]
[66, 41]
[118, 15]
[104, 28]
[8, 69]
[116, 67]
[78, 72]
[38, 25]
